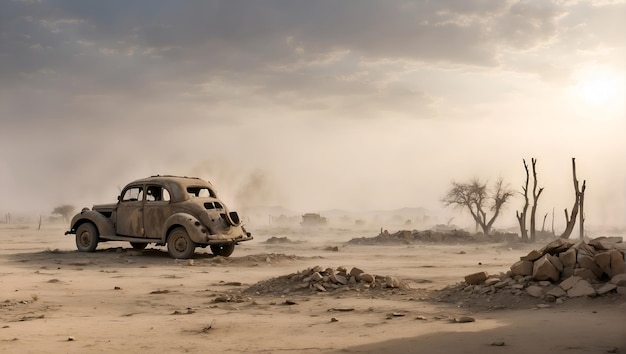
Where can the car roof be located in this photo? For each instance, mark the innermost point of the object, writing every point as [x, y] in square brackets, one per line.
[181, 180]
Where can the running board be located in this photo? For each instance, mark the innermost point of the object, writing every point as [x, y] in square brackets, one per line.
[130, 239]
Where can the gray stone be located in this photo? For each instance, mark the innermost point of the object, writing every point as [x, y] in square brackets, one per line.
[517, 286]
[544, 283]
[522, 268]
[476, 278]
[582, 288]
[501, 284]
[569, 282]
[568, 258]
[621, 290]
[557, 291]
[544, 270]
[606, 288]
[619, 279]
[535, 291]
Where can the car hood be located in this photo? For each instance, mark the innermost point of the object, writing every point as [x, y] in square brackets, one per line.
[105, 207]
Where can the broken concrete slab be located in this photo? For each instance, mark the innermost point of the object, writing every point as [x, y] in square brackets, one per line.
[582, 288]
[543, 269]
[523, 267]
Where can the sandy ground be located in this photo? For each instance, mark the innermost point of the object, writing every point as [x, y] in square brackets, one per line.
[54, 299]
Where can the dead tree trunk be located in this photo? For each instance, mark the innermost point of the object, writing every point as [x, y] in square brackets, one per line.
[543, 225]
[536, 195]
[571, 219]
[581, 213]
[521, 217]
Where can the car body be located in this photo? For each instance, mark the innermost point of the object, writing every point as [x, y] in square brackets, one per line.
[180, 212]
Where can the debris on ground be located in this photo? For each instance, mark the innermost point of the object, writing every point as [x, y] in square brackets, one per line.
[448, 236]
[317, 279]
[559, 271]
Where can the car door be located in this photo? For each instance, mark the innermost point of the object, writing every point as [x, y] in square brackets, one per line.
[156, 210]
[130, 212]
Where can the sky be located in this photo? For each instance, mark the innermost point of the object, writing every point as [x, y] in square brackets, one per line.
[313, 105]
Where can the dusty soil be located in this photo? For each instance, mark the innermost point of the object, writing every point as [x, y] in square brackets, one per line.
[55, 299]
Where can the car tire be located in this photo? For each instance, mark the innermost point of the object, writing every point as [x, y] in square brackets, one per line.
[223, 250]
[138, 245]
[179, 245]
[87, 237]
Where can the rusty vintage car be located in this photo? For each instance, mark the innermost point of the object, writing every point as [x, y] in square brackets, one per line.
[180, 212]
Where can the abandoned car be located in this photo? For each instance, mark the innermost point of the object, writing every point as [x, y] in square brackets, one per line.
[180, 212]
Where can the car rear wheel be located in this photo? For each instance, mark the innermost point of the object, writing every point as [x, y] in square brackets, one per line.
[87, 237]
[179, 245]
[138, 245]
[224, 250]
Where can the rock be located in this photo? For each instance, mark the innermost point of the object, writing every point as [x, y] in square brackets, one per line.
[567, 272]
[319, 287]
[463, 319]
[369, 278]
[338, 279]
[531, 256]
[557, 246]
[476, 278]
[582, 288]
[597, 244]
[618, 266]
[621, 290]
[535, 291]
[608, 287]
[523, 267]
[583, 248]
[492, 281]
[355, 272]
[587, 262]
[619, 279]
[544, 270]
[556, 262]
[557, 291]
[603, 260]
[585, 274]
[569, 282]
[498, 344]
[392, 282]
[544, 283]
[316, 276]
[608, 239]
[568, 258]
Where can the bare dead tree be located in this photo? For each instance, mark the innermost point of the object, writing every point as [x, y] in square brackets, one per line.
[476, 197]
[521, 217]
[536, 195]
[579, 193]
[581, 214]
[543, 225]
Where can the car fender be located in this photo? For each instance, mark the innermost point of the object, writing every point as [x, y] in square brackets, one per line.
[105, 225]
[195, 229]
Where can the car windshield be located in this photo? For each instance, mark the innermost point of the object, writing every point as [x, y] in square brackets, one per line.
[200, 192]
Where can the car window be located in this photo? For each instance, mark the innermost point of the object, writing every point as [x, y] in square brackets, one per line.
[132, 194]
[157, 194]
[200, 192]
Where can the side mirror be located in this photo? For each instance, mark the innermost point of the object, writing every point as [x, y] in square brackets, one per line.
[119, 198]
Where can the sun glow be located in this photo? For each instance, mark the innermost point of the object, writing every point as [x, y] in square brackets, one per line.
[600, 86]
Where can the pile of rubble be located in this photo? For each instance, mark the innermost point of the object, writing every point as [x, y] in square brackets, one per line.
[451, 236]
[562, 269]
[318, 279]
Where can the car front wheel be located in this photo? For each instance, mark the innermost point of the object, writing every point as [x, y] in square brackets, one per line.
[179, 245]
[223, 250]
[87, 237]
